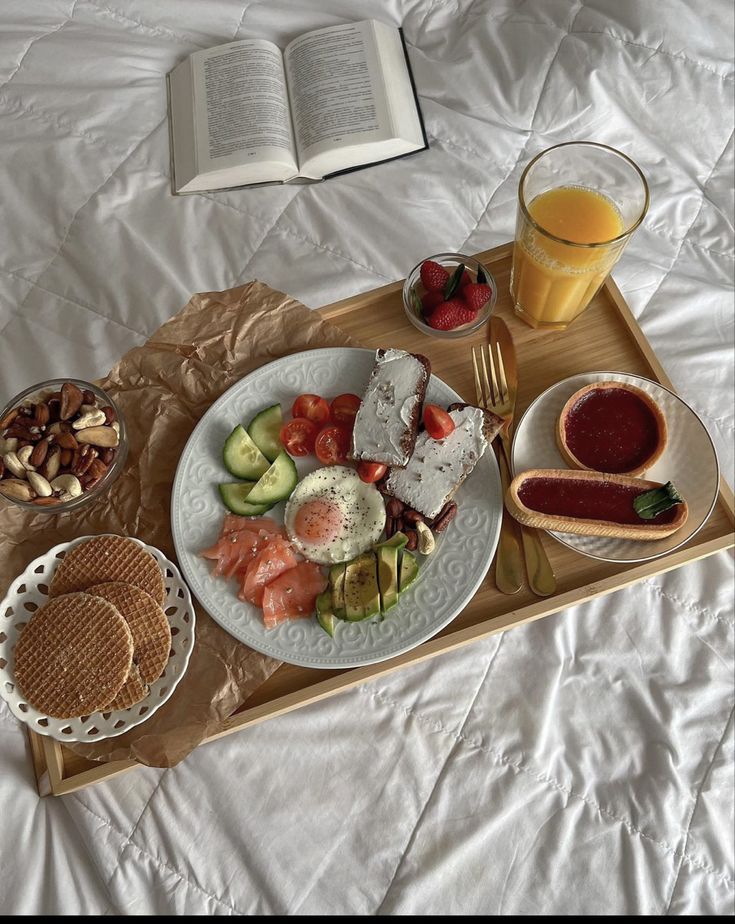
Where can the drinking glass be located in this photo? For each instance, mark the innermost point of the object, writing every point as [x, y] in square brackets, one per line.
[578, 205]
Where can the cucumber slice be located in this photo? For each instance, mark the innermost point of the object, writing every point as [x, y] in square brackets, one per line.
[242, 457]
[264, 431]
[235, 498]
[277, 483]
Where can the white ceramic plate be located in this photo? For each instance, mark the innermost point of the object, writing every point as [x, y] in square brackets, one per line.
[447, 579]
[689, 461]
[30, 590]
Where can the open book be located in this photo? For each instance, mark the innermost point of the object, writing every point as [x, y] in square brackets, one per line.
[336, 99]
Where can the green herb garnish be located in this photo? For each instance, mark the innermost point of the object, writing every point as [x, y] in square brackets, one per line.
[416, 303]
[481, 277]
[454, 280]
[651, 503]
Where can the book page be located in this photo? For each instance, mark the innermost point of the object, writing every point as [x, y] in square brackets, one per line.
[241, 109]
[337, 95]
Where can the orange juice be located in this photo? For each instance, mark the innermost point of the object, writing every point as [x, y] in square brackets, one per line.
[553, 281]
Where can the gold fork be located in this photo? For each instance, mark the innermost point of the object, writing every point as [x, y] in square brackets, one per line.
[496, 393]
[508, 566]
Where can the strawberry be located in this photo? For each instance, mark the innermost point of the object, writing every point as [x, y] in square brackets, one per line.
[476, 295]
[451, 314]
[430, 301]
[466, 280]
[433, 276]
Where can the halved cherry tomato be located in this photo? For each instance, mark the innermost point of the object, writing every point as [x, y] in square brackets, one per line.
[332, 445]
[298, 436]
[344, 409]
[312, 407]
[437, 422]
[370, 472]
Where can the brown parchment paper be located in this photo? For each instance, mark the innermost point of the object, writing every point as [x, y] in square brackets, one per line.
[163, 388]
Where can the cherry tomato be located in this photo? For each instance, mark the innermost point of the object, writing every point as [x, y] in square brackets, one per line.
[298, 436]
[332, 445]
[344, 409]
[437, 422]
[312, 407]
[370, 472]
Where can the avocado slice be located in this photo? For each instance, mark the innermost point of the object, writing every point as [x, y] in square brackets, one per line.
[409, 570]
[387, 576]
[324, 613]
[397, 541]
[362, 596]
[337, 589]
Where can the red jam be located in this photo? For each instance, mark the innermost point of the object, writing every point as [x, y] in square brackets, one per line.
[589, 500]
[611, 430]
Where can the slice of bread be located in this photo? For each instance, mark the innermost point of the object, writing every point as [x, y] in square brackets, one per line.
[438, 468]
[387, 422]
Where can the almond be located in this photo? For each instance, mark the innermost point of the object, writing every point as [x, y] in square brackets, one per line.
[66, 441]
[8, 419]
[105, 437]
[46, 501]
[39, 453]
[88, 397]
[71, 400]
[65, 457]
[110, 414]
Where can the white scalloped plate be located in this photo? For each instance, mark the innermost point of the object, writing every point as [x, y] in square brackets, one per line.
[689, 461]
[30, 590]
[447, 580]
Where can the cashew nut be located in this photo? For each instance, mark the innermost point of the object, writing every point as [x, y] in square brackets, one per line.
[14, 465]
[39, 484]
[427, 543]
[24, 457]
[90, 417]
[66, 487]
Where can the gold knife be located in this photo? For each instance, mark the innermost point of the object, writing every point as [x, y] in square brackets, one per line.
[541, 577]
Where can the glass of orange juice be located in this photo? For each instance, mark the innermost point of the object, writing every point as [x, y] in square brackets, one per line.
[578, 205]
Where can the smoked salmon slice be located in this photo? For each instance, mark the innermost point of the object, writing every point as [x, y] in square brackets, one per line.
[293, 594]
[274, 559]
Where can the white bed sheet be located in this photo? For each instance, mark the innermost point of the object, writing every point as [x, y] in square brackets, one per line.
[582, 764]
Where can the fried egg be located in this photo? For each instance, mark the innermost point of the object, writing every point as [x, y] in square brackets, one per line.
[332, 516]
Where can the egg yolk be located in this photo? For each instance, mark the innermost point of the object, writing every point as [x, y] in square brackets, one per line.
[318, 521]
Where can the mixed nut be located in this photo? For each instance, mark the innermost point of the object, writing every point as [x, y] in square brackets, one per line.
[57, 446]
[418, 530]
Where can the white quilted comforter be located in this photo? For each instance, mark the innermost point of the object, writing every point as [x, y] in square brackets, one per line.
[580, 765]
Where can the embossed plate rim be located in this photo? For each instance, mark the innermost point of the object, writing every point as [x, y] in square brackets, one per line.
[399, 640]
[581, 543]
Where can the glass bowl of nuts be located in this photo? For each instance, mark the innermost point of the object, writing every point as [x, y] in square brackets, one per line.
[62, 444]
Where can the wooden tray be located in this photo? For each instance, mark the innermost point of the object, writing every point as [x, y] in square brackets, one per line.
[605, 337]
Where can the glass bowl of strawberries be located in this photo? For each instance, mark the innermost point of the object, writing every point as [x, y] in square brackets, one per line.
[449, 295]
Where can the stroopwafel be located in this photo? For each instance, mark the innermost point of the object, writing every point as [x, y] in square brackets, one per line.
[131, 692]
[105, 559]
[148, 623]
[73, 656]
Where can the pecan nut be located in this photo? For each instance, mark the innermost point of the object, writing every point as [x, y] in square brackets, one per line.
[413, 540]
[447, 514]
[41, 414]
